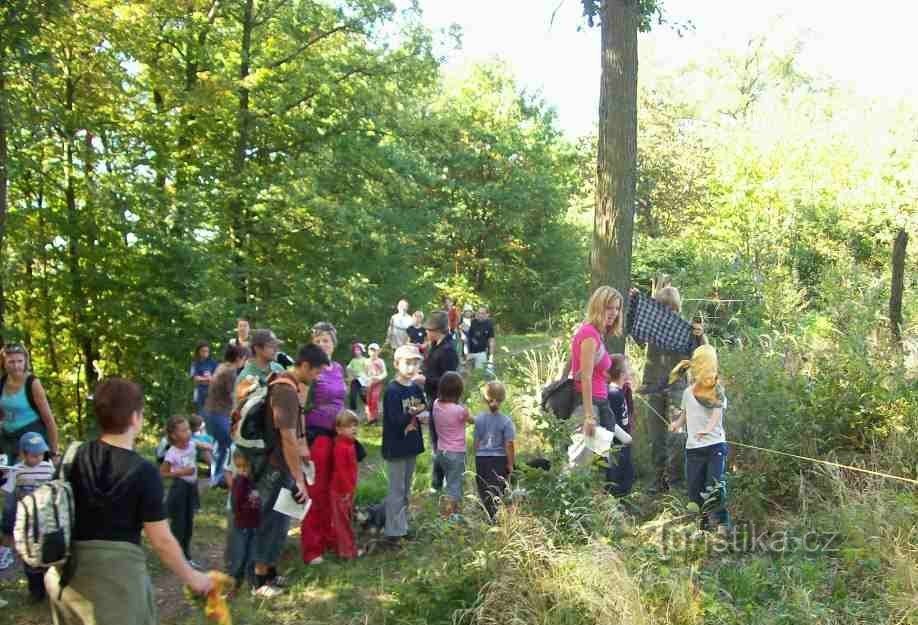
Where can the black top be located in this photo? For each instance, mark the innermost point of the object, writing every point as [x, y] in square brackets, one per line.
[115, 492]
[439, 359]
[619, 407]
[396, 443]
[417, 335]
[480, 332]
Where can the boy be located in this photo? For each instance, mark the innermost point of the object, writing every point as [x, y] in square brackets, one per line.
[494, 448]
[620, 475]
[28, 474]
[343, 485]
[246, 506]
[703, 405]
[403, 406]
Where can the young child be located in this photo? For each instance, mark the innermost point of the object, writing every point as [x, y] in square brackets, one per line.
[203, 442]
[494, 449]
[357, 374]
[404, 406]
[246, 506]
[703, 405]
[450, 418]
[29, 473]
[180, 463]
[376, 374]
[343, 485]
[620, 474]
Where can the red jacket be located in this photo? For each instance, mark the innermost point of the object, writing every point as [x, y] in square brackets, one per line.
[344, 468]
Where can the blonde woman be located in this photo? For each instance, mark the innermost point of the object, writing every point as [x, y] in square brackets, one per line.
[590, 361]
[24, 403]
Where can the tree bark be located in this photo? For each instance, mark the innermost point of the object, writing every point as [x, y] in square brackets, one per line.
[4, 178]
[238, 216]
[897, 287]
[613, 223]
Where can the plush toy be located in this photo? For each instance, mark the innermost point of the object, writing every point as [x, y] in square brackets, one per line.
[703, 370]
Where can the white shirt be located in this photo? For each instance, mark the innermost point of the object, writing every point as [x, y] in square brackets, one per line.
[696, 418]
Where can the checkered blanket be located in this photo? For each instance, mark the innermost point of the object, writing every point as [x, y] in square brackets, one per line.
[649, 321]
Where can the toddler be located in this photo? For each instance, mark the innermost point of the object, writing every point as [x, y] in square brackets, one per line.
[180, 463]
[246, 505]
[450, 418]
[343, 484]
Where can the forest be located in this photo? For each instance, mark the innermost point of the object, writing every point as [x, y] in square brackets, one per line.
[167, 167]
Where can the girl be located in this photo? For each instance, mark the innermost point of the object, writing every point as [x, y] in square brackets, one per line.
[494, 448]
[23, 403]
[246, 517]
[450, 418]
[702, 415]
[202, 371]
[180, 463]
[343, 485]
[620, 473]
[376, 374]
[357, 376]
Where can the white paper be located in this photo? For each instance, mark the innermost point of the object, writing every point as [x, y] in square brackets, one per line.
[309, 472]
[578, 453]
[286, 504]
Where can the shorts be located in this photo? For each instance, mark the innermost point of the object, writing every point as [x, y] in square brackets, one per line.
[452, 463]
[271, 535]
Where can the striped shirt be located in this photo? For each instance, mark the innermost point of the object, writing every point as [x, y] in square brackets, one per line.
[24, 479]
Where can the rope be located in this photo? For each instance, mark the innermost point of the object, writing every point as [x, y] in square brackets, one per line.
[799, 457]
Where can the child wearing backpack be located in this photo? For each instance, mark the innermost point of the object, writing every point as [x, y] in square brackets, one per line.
[25, 476]
[180, 463]
[450, 418]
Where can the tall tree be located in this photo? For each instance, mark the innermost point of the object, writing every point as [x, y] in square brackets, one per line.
[897, 286]
[616, 164]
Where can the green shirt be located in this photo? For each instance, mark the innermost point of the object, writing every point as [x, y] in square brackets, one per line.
[357, 369]
[252, 368]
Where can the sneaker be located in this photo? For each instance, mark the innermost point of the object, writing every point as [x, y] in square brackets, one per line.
[316, 561]
[6, 558]
[267, 591]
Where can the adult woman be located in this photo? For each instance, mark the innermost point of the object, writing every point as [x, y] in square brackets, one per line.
[116, 493]
[397, 334]
[202, 371]
[589, 359]
[327, 396]
[24, 404]
[219, 404]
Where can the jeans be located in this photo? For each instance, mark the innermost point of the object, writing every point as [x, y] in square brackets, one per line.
[452, 463]
[218, 426]
[400, 472]
[704, 471]
[357, 392]
[271, 535]
[620, 474]
[241, 554]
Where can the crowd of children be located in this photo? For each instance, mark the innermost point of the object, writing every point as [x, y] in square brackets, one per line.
[404, 409]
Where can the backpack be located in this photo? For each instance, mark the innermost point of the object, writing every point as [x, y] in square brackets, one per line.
[30, 396]
[45, 518]
[254, 436]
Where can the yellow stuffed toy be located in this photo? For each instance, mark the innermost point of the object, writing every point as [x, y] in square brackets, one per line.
[703, 370]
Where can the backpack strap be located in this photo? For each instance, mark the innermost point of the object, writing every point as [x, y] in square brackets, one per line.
[30, 395]
[63, 469]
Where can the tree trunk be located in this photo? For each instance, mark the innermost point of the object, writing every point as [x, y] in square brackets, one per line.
[613, 223]
[897, 286]
[237, 206]
[4, 177]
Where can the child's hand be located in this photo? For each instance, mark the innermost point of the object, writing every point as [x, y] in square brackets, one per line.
[204, 446]
[413, 426]
[675, 426]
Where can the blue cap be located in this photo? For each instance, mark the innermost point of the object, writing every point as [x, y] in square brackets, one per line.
[32, 443]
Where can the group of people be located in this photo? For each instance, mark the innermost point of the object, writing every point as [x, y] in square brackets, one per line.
[685, 410]
[310, 447]
[472, 332]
